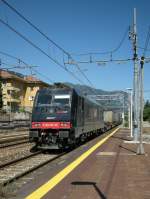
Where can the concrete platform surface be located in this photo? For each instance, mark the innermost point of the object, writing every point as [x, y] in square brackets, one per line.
[112, 171]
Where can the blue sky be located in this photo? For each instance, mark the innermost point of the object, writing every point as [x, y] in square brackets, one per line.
[79, 26]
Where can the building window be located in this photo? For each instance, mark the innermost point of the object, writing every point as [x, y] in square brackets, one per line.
[32, 88]
[8, 92]
[31, 98]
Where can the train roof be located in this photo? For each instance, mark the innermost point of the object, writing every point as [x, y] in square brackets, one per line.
[66, 88]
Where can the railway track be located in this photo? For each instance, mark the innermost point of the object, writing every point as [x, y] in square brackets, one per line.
[13, 152]
[15, 143]
[17, 168]
[11, 140]
[12, 135]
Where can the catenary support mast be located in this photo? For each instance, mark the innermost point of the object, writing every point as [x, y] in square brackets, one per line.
[135, 82]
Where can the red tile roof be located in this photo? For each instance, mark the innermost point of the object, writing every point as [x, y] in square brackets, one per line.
[7, 75]
[32, 79]
[27, 79]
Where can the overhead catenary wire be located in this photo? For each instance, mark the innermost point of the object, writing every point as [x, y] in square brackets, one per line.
[35, 27]
[142, 48]
[22, 67]
[109, 51]
[39, 49]
[26, 65]
[8, 55]
[145, 48]
[41, 74]
[50, 40]
[146, 42]
[104, 61]
[16, 66]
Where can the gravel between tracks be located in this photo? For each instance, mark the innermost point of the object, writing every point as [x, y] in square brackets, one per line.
[18, 169]
[14, 152]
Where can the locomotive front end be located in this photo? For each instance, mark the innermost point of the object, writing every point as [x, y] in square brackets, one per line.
[51, 119]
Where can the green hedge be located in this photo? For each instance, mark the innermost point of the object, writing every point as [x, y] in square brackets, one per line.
[146, 113]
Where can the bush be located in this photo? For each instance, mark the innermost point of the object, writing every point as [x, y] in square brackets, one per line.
[22, 110]
[146, 113]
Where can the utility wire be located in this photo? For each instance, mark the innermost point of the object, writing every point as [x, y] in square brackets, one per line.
[38, 48]
[107, 52]
[146, 42]
[50, 40]
[41, 74]
[6, 54]
[35, 27]
[26, 65]
[16, 66]
[140, 47]
[145, 48]
[13, 57]
[103, 61]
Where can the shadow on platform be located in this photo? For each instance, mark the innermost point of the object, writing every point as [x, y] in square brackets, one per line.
[121, 138]
[102, 196]
[127, 149]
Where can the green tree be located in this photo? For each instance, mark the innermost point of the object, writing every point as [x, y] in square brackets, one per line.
[146, 113]
[1, 101]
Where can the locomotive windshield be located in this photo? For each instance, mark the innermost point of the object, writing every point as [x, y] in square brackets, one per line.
[52, 100]
[43, 99]
[63, 100]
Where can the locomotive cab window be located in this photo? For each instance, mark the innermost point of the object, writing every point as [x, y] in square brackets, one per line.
[43, 99]
[63, 100]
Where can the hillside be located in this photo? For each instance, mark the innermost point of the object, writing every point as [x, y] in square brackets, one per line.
[88, 91]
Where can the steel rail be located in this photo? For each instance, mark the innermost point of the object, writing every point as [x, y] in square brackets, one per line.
[11, 179]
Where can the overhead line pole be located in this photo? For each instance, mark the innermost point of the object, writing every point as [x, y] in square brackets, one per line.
[135, 82]
[140, 149]
[131, 114]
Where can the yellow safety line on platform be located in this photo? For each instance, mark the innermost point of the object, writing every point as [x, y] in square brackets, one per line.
[45, 188]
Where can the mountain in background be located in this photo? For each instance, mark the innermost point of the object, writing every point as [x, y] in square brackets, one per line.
[88, 91]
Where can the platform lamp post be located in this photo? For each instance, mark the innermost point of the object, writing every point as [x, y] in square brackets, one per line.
[131, 111]
[123, 114]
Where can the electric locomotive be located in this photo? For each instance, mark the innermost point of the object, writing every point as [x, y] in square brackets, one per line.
[61, 117]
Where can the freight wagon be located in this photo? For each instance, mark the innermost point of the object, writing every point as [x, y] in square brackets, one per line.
[111, 119]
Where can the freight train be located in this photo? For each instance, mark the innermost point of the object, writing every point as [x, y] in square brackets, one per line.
[63, 117]
[112, 118]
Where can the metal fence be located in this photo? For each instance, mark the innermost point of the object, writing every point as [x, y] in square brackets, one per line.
[15, 118]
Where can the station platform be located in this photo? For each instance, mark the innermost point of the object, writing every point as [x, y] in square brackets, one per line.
[112, 170]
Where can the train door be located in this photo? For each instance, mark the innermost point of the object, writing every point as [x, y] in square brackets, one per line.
[82, 111]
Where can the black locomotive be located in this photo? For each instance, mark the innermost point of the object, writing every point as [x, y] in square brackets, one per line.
[61, 117]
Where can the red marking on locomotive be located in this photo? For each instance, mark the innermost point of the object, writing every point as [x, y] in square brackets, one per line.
[51, 125]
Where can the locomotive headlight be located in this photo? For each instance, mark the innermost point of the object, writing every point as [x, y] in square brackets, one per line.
[65, 124]
[36, 125]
